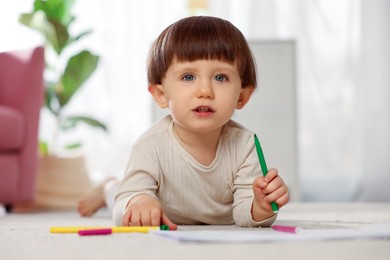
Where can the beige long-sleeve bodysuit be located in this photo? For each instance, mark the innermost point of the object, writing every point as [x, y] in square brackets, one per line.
[191, 193]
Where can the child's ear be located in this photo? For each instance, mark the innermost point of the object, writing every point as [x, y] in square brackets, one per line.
[245, 95]
[157, 92]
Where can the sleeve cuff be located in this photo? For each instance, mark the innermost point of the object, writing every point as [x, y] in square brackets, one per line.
[265, 223]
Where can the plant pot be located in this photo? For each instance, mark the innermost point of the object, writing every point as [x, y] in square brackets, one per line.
[61, 182]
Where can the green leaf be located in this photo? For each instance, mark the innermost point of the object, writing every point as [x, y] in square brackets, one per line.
[78, 37]
[81, 35]
[72, 121]
[39, 22]
[61, 33]
[43, 148]
[77, 71]
[51, 99]
[72, 146]
[58, 10]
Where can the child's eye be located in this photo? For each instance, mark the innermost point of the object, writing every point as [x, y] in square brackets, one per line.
[188, 77]
[221, 78]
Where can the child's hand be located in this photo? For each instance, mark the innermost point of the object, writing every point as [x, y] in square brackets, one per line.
[144, 210]
[267, 189]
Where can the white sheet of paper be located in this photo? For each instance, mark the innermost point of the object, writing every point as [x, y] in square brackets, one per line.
[376, 231]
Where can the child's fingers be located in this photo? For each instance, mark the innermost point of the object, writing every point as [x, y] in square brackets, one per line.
[146, 219]
[271, 174]
[126, 218]
[135, 219]
[259, 183]
[276, 194]
[168, 222]
[155, 217]
[283, 200]
[272, 186]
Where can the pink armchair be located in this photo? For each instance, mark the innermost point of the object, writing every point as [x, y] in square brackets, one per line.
[21, 96]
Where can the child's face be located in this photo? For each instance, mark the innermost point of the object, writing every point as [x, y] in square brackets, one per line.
[202, 95]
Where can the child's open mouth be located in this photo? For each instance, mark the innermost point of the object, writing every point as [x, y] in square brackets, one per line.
[203, 109]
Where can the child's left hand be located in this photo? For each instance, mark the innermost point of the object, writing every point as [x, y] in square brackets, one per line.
[267, 189]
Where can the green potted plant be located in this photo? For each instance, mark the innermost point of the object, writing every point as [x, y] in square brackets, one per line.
[53, 19]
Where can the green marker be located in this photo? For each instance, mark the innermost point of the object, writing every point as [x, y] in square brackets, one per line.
[264, 169]
[164, 227]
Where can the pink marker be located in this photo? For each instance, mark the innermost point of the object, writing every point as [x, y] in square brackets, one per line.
[287, 229]
[93, 232]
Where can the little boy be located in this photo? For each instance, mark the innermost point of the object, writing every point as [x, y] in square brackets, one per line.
[197, 166]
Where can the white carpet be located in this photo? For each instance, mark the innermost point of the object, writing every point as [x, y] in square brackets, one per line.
[2, 211]
[27, 236]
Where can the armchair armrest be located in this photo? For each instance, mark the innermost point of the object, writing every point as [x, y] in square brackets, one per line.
[11, 130]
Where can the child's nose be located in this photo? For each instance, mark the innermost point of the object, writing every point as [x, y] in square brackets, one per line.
[205, 90]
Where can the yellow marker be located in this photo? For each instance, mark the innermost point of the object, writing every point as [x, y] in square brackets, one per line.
[70, 229]
[124, 229]
[140, 229]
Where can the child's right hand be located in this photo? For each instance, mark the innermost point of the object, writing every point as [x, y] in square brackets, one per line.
[144, 210]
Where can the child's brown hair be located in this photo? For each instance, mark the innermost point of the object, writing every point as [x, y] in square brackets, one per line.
[201, 37]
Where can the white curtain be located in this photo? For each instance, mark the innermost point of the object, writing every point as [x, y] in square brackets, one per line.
[328, 49]
[373, 108]
[343, 91]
